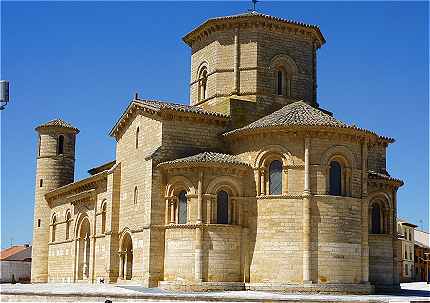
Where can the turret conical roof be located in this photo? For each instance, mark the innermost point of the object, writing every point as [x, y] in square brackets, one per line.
[58, 123]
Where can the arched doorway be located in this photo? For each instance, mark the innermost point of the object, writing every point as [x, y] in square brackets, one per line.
[84, 250]
[126, 258]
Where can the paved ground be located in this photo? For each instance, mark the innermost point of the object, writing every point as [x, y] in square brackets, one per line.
[411, 292]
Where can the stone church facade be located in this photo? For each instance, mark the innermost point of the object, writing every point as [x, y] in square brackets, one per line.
[251, 186]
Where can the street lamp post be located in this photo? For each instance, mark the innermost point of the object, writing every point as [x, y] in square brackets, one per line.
[4, 94]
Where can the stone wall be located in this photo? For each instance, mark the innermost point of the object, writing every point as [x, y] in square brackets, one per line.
[185, 138]
[179, 254]
[377, 158]
[336, 239]
[273, 44]
[381, 259]
[275, 240]
[253, 77]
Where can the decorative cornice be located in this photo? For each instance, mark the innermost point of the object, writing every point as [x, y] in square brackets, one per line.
[384, 183]
[286, 196]
[255, 20]
[205, 225]
[77, 187]
[81, 196]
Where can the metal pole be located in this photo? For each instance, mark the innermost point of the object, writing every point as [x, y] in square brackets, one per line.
[427, 260]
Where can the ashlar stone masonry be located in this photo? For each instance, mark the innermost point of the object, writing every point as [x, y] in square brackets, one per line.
[252, 186]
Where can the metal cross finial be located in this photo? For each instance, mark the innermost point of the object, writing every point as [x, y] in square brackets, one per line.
[254, 3]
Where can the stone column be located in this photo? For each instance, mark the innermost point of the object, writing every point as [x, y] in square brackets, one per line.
[125, 264]
[172, 211]
[394, 217]
[257, 181]
[231, 211]
[75, 259]
[198, 259]
[167, 212]
[92, 261]
[364, 156]
[390, 222]
[364, 240]
[236, 81]
[263, 182]
[93, 244]
[198, 252]
[121, 264]
[237, 211]
[396, 243]
[285, 180]
[244, 260]
[364, 216]
[209, 210]
[307, 217]
[85, 265]
[200, 200]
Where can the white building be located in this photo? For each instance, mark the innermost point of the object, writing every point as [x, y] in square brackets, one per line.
[15, 264]
[405, 232]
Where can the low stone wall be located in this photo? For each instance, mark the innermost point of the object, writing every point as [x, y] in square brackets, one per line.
[360, 289]
[271, 287]
[201, 287]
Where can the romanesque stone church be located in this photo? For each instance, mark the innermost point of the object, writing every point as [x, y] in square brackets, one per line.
[251, 186]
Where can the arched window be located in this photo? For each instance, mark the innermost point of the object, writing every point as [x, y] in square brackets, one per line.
[137, 138]
[103, 217]
[376, 219]
[68, 219]
[280, 82]
[136, 194]
[182, 210]
[54, 227]
[60, 145]
[203, 79]
[283, 83]
[275, 178]
[335, 179]
[222, 207]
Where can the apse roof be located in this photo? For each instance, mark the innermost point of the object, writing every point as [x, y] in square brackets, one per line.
[299, 114]
[207, 157]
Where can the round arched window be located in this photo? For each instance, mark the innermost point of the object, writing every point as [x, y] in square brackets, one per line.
[183, 208]
[335, 179]
[376, 219]
[222, 207]
[275, 178]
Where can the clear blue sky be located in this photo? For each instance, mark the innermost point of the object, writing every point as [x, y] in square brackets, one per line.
[83, 61]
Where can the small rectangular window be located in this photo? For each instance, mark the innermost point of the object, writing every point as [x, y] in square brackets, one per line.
[40, 182]
[38, 222]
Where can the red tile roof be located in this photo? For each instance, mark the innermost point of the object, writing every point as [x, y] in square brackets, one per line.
[9, 253]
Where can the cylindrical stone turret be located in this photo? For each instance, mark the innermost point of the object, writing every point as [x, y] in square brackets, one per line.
[55, 168]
